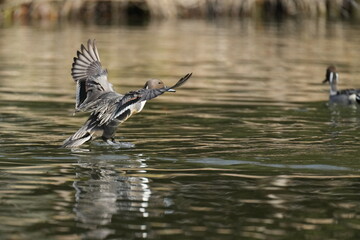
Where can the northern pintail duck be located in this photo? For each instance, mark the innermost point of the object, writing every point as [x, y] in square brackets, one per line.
[96, 95]
[347, 96]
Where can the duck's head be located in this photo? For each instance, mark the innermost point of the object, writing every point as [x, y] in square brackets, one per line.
[331, 75]
[156, 84]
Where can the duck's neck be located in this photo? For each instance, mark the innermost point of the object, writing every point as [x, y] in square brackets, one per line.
[333, 88]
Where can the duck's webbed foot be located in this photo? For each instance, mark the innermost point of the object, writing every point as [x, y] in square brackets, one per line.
[110, 141]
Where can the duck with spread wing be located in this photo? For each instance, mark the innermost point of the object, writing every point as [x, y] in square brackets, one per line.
[96, 95]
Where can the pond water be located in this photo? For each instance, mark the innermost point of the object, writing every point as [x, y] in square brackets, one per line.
[248, 148]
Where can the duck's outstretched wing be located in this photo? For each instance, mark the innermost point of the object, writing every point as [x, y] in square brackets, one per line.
[148, 94]
[89, 75]
[143, 94]
[181, 81]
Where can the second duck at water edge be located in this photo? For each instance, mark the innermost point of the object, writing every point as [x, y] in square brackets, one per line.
[344, 97]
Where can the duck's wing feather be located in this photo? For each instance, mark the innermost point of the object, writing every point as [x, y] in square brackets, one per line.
[148, 94]
[348, 92]
[181, 81]
[143, 94]
[89, 75]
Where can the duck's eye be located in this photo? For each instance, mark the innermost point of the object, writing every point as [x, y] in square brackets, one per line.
[159, 82]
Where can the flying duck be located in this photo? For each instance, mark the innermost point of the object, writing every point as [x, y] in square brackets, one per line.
[96, 95]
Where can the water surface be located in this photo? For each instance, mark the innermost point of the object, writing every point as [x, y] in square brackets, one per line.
[247, 149]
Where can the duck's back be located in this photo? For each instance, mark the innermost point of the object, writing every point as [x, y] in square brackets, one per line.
[347, 96]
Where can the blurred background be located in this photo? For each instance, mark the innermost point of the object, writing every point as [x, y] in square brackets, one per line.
[116, 11]
[248, 148]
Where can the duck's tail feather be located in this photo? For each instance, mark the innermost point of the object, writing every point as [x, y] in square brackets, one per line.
[76, 142]
[83, 135]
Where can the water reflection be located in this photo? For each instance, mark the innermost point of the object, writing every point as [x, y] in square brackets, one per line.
[248, 149]
[102, 191]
